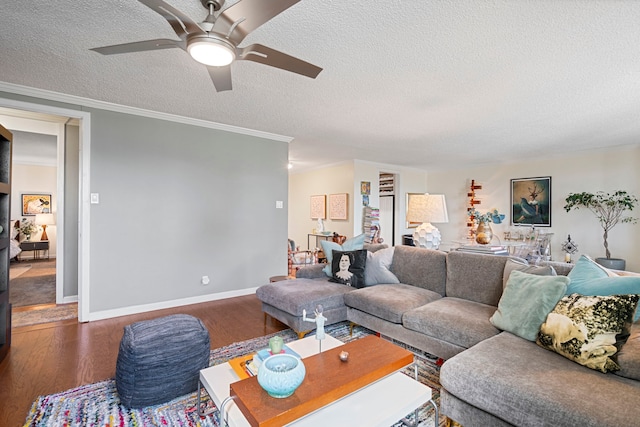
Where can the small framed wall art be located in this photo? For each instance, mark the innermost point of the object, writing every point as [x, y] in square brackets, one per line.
[531, 201]
[319, 207]
[338, 207]
[33, 204]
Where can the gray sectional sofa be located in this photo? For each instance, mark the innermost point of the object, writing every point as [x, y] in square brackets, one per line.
[442, 305]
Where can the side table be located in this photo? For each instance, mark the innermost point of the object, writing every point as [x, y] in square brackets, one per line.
[36, 247]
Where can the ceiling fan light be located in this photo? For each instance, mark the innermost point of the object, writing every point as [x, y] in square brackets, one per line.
[210, 51]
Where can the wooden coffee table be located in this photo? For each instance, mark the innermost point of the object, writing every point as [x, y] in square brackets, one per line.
[368, 389]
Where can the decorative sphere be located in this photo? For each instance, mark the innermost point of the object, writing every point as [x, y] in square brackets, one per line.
[281, 374]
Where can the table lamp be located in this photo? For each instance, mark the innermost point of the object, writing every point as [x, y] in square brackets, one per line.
[44, 220]
[427, 208]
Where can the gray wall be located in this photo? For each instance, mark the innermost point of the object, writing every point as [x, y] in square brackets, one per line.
[178, 202]
[71, 202]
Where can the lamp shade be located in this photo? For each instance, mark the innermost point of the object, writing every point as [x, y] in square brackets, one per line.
[427, 208]
[44, 219]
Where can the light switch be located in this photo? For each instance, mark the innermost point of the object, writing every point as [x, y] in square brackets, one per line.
[95, 198]
[279, 204]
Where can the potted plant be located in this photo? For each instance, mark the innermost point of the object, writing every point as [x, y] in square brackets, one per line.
[27, 228]
[609, 209]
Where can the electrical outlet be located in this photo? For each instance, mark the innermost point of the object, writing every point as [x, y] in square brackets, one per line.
[205, 280]
[279, 204]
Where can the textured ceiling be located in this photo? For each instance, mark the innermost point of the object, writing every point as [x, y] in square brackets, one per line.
[416, 83]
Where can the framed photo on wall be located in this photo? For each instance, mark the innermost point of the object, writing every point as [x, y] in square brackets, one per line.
[318, 207]
[338, 207]
[531, 201]
[33, 204]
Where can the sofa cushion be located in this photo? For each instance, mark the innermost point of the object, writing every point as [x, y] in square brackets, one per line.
[389, 302]
[589, 329]
[378, 266]
[590, 278]
[517, 265]
[628, 357]
[526, 302]
[328, 247]
[475, 277]
[292, 296]
[420, 267]
[525, 385]
[348, 267]
[458, 321]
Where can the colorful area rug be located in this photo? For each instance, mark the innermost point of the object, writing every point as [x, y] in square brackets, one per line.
[98, 404]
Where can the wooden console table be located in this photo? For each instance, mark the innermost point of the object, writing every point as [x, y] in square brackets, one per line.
[36, 247]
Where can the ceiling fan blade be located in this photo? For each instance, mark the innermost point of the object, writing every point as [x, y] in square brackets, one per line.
[267, 56]
[181, 23]
[142, 46]
[238, 20]
[221, 77]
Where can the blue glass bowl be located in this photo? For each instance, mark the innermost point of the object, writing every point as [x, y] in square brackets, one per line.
[281, 374]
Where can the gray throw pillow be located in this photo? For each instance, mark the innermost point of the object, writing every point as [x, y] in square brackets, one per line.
[526, 302]
[629, 355]
[378, 267]
[514, 265]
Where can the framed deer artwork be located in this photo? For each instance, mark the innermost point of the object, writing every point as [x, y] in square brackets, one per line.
[531, 201]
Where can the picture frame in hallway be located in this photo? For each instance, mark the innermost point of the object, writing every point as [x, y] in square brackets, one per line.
[36, 203]
[531, 201]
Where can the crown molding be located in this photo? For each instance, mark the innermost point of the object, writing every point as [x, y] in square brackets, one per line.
[87, 102]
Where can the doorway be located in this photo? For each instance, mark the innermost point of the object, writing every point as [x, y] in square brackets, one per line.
[387, 193]
[46, 148]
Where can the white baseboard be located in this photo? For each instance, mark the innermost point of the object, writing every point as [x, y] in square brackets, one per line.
[67, 300]
[136, 309]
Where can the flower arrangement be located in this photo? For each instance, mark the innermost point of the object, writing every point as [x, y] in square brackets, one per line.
[27, 227]
[491, 216]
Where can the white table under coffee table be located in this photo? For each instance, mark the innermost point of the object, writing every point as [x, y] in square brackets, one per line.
[381, 403]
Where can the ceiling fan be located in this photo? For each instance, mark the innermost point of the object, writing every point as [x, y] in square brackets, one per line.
[215, 41]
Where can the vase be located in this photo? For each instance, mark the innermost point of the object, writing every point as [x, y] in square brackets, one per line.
[484, 234]
[281, 374]
[27, 237]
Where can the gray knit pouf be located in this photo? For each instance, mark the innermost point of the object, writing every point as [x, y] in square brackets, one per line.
[161, 359]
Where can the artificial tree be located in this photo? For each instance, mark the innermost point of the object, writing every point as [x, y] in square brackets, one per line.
[608, 208]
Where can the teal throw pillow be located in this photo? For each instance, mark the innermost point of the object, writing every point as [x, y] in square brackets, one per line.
[588, 278]
[526, 302]
[586, 269]
[328, 247]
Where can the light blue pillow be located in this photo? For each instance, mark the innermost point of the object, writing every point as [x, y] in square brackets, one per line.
[377, 269]
[526, 302]
[589, 278]
[587, 269]
[352, 244]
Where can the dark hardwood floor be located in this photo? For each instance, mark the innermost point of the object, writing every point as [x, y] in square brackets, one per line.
[54, 357]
